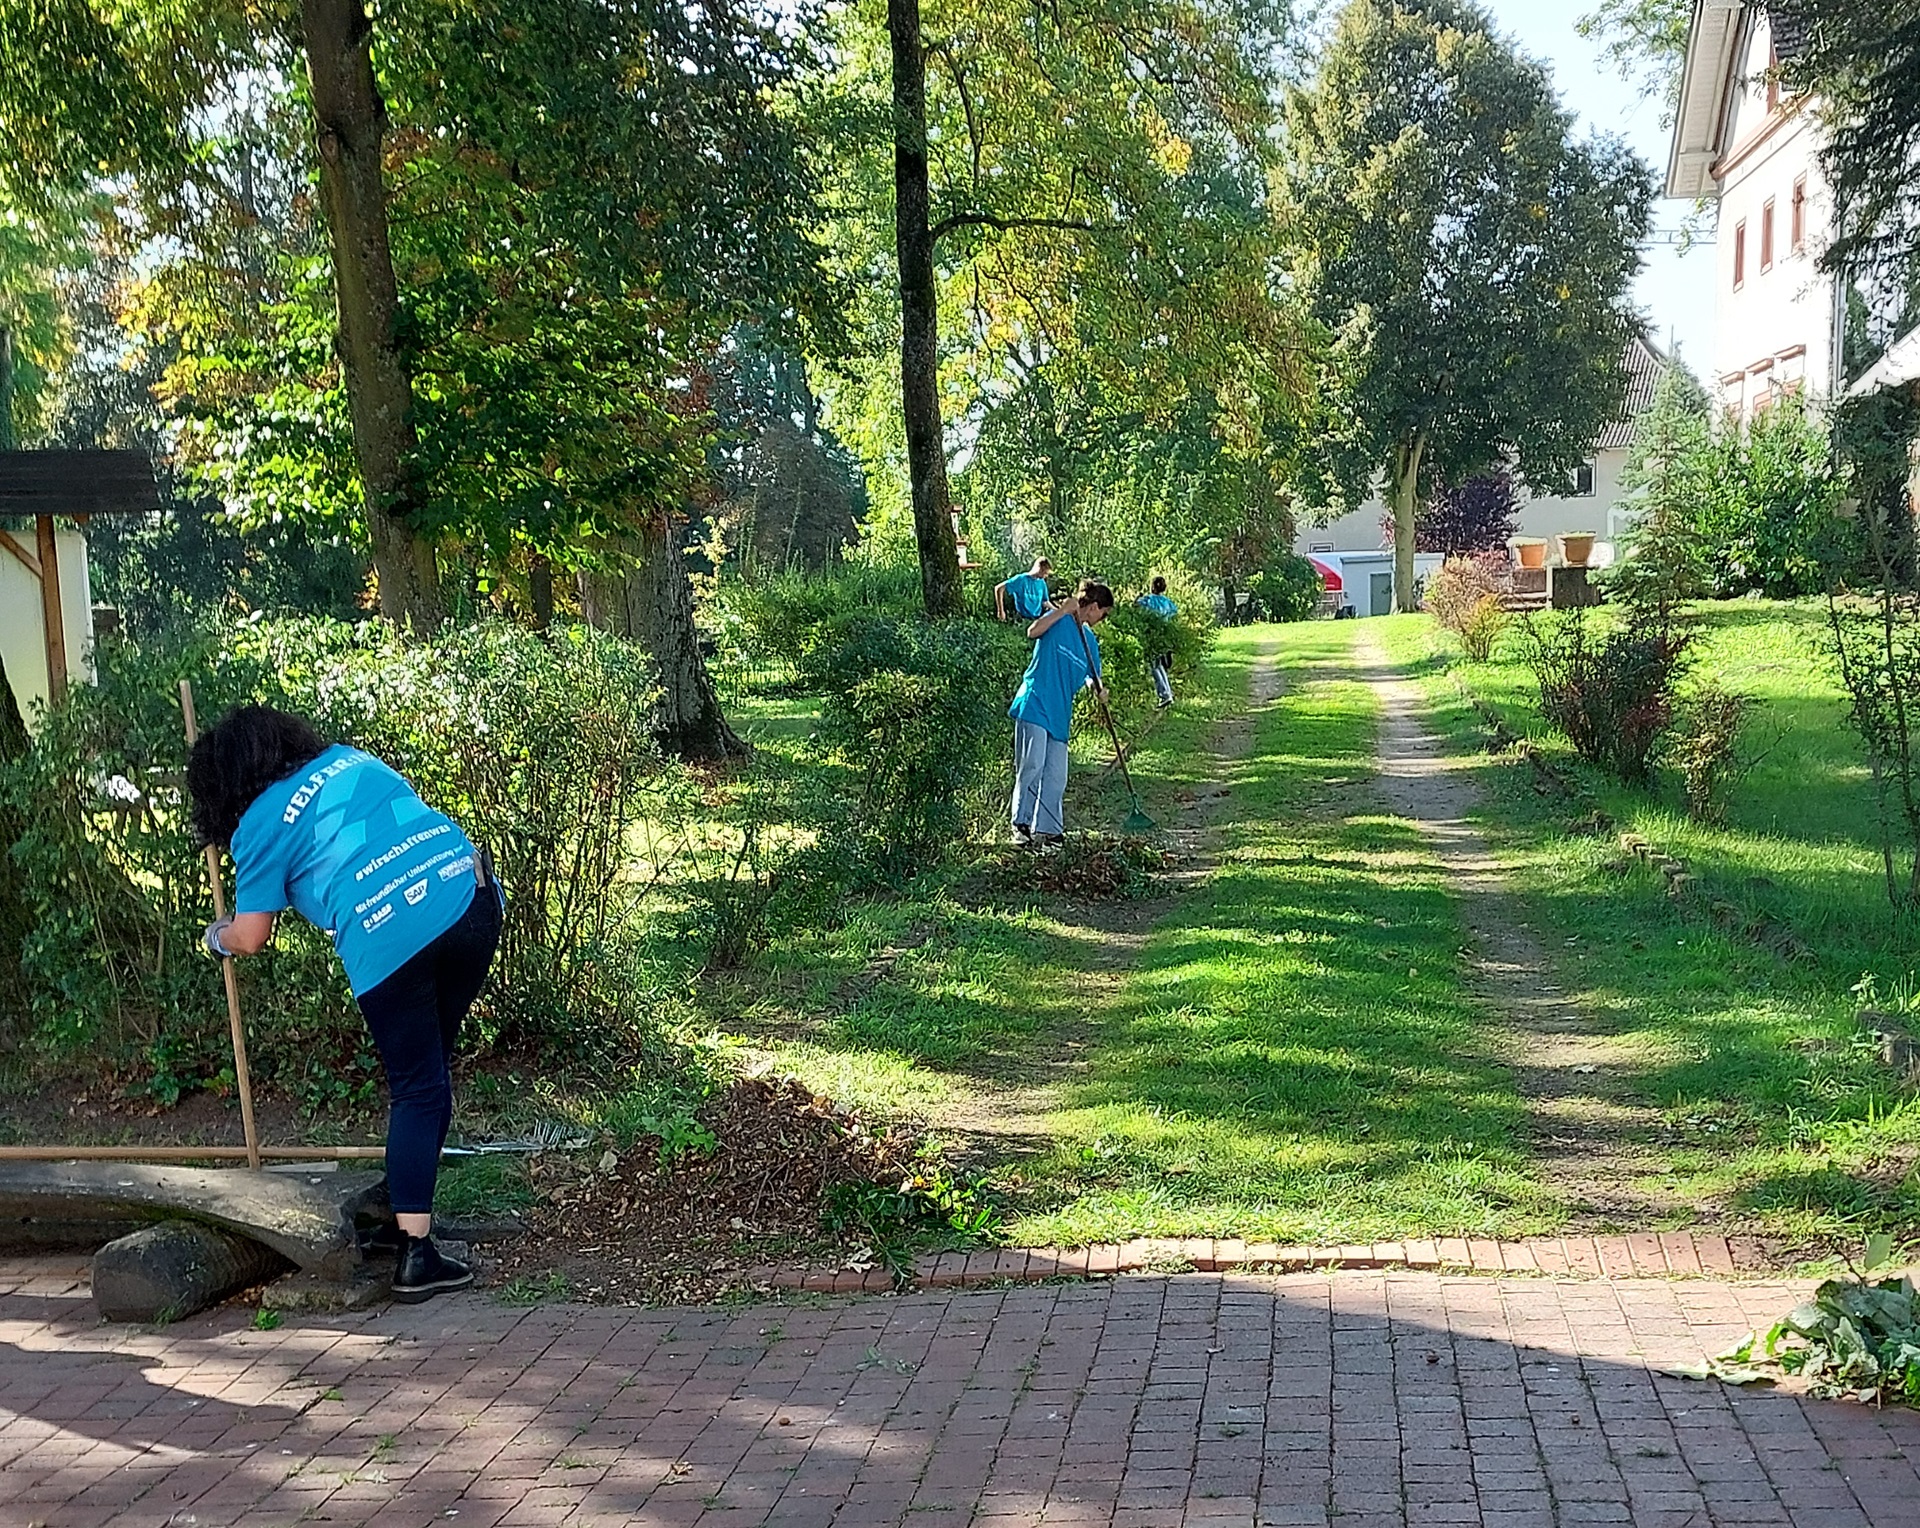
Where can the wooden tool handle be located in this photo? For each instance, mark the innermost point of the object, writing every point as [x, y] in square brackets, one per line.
[242, 1078]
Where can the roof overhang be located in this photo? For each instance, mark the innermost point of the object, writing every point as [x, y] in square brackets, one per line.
[1899, 367]
[1700, 122]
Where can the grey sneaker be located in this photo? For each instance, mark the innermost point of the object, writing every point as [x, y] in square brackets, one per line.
[1022, 835]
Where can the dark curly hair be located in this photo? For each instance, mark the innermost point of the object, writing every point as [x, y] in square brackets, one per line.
[250, 749]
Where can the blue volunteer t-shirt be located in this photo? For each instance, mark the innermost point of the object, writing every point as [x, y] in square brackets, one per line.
[1159, 604]
[1028, 595]
[1055, 674]
[347, 844]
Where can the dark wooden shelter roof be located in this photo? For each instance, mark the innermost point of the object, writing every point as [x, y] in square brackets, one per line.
[77, 483]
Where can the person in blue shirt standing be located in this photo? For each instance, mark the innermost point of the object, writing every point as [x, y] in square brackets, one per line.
[1026, 592]
[1066, 658]
[412, 906]
[1160, 665]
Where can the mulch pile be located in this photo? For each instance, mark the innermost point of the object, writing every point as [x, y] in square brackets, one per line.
[623, 1227]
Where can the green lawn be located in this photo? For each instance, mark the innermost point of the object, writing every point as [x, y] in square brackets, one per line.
[1778, 1114]
[1293, 1057]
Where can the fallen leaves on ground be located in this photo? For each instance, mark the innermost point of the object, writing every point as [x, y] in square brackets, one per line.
[626, 1226]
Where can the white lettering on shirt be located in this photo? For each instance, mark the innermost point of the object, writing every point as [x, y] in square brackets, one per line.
[301, 799]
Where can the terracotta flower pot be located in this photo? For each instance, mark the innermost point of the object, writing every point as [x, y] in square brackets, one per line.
[1531, 551]
[1577, 548]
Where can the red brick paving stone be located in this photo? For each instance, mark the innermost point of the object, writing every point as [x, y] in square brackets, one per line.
[820, 1280]
[1202, 1252]
[1389, 1254]
[1357, 1257]
[1649, 1261]
[1683, 1257]
[1011, 1264]
[1484, 1255]
[1453, 1253]
[1423, 1254]
[1715, 1255]
[1550, 1256]
[1043, 1264]
[1616, 1258]
[1131, 1255]
[1519, 1258]
[1229, 1252]
[1103, 1261]
[979, 1268]
[1583, 1256]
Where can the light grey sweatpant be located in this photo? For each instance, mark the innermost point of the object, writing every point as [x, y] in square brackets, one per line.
[1039, 779]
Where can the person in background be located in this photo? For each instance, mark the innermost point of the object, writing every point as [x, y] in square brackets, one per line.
[411, 904]
[1066, 658]
[1160, 665]
[1026, 592]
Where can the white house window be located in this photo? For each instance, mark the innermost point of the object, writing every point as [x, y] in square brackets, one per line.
[1583, 481]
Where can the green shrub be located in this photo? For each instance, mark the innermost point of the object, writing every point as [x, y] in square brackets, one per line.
[1128, 640]
[1611, 696]
[538, 747]
[1705, 748]
[917, 710]
[1464, 597]
[1286, 589]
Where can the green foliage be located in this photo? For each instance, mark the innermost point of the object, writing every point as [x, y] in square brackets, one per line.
[1131, 636]
[917, 710]
[1470, 260]
[1288, 588]
[680, 1134]
[1874, 621]
[1857, 1338]
[1705, 748]
[894, 1218]
[1768, 524]
[1610, 694]
[1647, 41]
[540, 748]
[1671, 471]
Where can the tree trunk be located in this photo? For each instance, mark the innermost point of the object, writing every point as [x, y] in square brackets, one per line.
[8, 441]
[652, 606]
[1406, 509]
[350, 123]
[540, 591]
[920, 317]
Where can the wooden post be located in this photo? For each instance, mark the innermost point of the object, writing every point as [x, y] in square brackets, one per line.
[52, 617]
[242, 1080]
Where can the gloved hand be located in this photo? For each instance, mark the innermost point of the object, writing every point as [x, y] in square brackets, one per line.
[215, 937]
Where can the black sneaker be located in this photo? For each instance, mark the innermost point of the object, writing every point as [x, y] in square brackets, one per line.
[423, 1272]
[1048, 840]
[1022, 836]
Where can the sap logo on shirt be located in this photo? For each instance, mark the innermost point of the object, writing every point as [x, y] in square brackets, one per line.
[379, 917]
[416, 893]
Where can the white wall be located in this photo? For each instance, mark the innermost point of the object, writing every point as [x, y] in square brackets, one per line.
[1549, 517]
[23, 636]
[1776, 330]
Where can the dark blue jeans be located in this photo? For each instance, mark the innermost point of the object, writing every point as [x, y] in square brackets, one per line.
[415, 1017]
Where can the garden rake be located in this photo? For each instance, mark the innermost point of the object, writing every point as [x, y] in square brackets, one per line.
[1137, 821]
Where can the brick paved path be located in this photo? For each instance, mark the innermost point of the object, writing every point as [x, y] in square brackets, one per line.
[1357, 1400]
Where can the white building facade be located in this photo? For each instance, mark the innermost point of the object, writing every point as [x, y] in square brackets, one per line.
[1744, 144]
[1593, 508]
